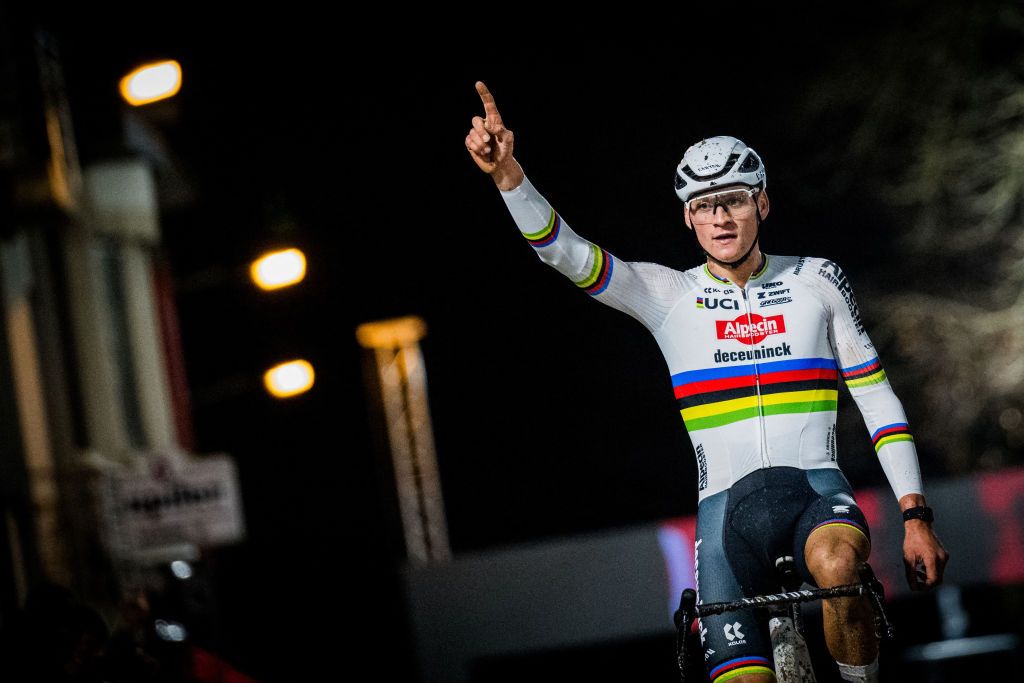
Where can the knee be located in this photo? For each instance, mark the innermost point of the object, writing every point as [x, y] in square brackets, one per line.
[836, 564]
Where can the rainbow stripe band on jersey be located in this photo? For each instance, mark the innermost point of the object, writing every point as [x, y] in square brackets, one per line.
[899, 431]
[722, 281]
[719, 280]
[547, 235]
[600, 272]
[864, 374]
[741, 666]
[720, 396]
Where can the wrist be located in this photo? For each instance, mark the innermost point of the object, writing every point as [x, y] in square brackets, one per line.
[509, 179]
[911, 500]
[918, 514]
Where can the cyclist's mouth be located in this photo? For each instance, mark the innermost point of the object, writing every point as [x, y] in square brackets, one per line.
[728, 237]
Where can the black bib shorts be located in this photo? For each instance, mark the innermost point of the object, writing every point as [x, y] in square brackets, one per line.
[769, 513]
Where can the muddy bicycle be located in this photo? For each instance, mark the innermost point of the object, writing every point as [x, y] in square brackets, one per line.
[791, 656]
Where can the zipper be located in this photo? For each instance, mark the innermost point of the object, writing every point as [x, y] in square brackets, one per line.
[765, 462]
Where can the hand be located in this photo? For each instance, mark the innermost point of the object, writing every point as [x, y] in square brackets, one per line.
[490, 144]
[924, 558]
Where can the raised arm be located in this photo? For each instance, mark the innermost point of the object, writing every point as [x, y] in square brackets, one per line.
[924, 557]
[646, 291]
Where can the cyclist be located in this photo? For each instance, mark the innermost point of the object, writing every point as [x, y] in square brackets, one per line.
[755, 345]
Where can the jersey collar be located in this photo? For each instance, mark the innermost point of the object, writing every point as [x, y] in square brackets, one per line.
[758, 273]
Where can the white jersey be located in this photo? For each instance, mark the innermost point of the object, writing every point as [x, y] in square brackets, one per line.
[755, 369]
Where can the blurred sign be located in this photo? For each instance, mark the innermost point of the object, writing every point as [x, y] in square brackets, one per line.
[170, 500]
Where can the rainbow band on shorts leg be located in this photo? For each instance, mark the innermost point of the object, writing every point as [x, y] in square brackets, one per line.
[547, 235]
[741, 666]
[898, 431]
[842, 521]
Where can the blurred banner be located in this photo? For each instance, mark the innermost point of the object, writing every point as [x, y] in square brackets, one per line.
[980, 520]
[625, 584]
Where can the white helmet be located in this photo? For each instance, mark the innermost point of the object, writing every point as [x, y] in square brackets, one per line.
[715, 162]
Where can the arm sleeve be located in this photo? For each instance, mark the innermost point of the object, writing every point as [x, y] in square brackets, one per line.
[862, 371]
[646, 291]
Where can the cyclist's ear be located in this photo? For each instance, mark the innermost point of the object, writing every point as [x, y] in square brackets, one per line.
[686, 217]
[763, 204]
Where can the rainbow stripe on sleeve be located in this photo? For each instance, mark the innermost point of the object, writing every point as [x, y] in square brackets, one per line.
[600, 272]
[720, 396]
[547, 235]
[898, 431]
[864, 374]
[741, 666]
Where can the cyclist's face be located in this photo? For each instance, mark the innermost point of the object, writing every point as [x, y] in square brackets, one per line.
[725, 234]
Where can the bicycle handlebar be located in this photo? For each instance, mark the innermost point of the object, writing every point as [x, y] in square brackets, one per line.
[765, 601]
[869, 585]
[687, 605]
[689, 610]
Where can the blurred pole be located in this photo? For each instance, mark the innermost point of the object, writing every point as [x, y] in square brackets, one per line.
[397, 380]
[56, 197]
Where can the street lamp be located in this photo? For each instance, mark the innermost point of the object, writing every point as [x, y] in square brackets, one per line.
[151, 83]
[278, 269]
[289, 379]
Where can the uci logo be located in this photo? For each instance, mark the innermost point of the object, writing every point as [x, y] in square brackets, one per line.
[709, 303]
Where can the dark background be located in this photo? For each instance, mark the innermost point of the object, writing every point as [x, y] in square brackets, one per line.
[553, 415]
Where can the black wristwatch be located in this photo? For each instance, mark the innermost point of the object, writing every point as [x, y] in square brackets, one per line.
[921, 512]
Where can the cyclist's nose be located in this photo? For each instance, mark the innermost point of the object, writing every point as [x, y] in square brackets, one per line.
[721, 215]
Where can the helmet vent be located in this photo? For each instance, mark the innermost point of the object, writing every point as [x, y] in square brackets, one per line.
[750, 164]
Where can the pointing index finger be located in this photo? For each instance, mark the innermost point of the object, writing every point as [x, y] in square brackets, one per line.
[490, 108]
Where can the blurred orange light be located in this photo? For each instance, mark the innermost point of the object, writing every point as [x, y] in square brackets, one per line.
[152, 82]
[278, 269]
[393, 333]
[289, 379]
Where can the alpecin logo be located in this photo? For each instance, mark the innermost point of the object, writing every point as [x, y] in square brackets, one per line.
[753, 331]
